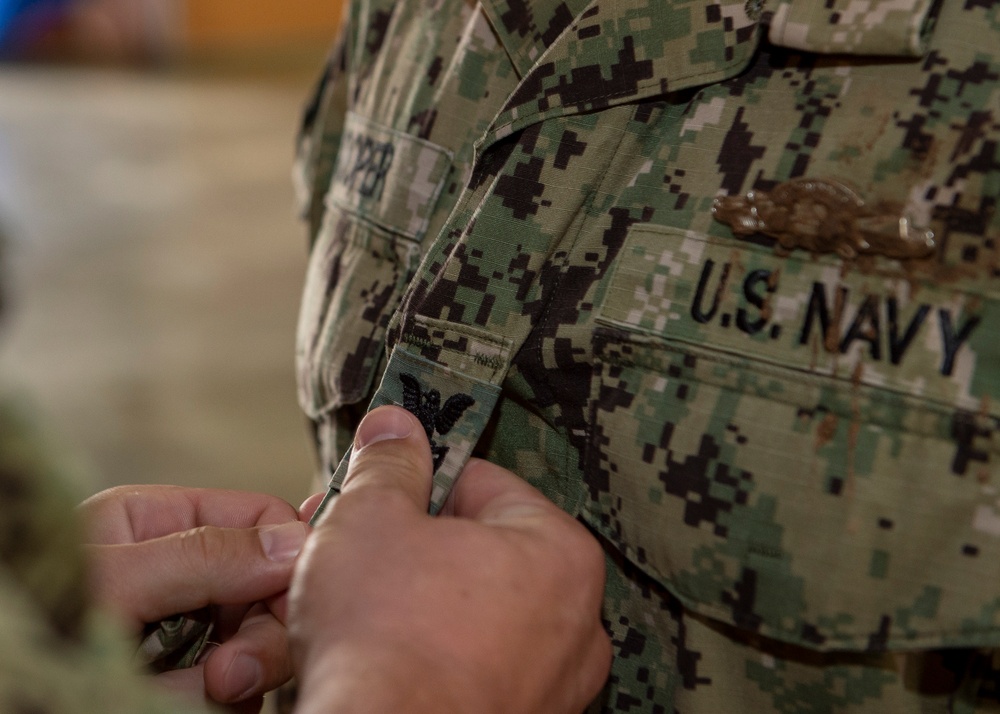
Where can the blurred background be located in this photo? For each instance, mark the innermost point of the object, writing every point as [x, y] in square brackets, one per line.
[153, 261]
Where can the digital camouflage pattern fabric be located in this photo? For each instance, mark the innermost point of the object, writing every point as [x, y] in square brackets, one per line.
[721, 278]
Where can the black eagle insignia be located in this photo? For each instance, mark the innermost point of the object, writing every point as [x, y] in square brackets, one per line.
[426, 406]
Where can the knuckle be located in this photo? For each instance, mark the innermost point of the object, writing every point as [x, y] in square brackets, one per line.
[585, 558]
[105, 499]
[591, 553]
[598, 664]
[381, 459]
[369, 498]
[203, 549]
[586, 553]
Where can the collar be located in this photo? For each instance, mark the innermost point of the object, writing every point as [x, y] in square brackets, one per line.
[575, 57]
[526, 28]
[614, 52]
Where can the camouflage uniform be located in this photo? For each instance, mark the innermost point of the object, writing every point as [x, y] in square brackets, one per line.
[721, 278]
[55, 656]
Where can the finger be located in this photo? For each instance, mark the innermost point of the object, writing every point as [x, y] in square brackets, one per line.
[249, 706]
[252, 662]
[130, 514]
[494, 496]
[489, 493]
[204, 566]
[391, 455]
[278, 605]
[596, 666]
[189, 686]
[227, 619]
[309, 506]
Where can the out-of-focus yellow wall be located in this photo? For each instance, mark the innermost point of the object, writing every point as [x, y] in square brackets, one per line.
[237, 23]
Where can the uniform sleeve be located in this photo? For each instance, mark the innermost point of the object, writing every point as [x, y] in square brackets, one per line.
[56, 656]
[45, 672]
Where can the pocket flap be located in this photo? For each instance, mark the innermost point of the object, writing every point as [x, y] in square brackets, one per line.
[388, 177]
[781, 488]
[877, 27]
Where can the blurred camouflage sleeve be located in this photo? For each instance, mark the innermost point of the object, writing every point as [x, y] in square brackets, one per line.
[55, 654]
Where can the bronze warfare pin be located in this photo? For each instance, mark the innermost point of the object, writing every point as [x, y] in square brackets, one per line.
[823, 216]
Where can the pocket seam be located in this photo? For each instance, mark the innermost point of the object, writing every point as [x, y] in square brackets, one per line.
[857, 637]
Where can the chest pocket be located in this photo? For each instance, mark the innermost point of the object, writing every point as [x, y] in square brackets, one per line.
[384, 189]
[801, 452]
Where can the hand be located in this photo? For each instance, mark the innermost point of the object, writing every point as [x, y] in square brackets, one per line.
[161, 550]
[492, 607]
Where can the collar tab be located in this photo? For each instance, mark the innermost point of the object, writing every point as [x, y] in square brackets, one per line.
[625, 51]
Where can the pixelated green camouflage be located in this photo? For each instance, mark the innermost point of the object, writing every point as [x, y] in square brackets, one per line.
[739, 265]
[39, 547]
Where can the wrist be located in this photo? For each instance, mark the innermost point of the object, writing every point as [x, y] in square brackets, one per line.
[367, 679]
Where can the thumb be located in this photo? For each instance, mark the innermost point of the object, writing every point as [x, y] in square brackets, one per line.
[187, 570]
[391, 455]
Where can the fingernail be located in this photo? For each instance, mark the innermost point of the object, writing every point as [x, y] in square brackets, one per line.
[244, 676]
[382, 425]
[281, 543]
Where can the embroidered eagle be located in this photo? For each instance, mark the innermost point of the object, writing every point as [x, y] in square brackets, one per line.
[426, 406]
